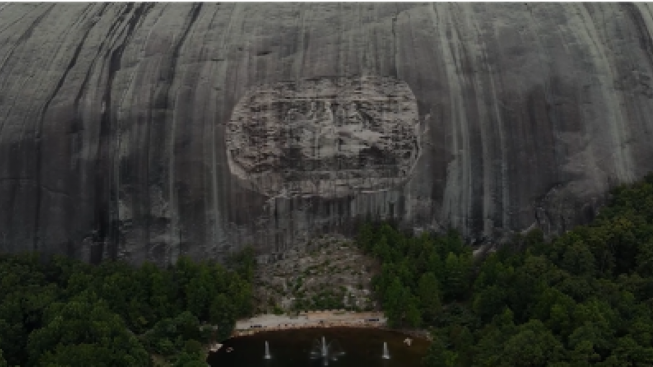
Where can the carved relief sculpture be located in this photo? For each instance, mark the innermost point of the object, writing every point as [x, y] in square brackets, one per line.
[327, 137]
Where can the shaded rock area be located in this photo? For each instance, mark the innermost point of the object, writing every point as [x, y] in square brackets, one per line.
[326, 273]
[120, 123]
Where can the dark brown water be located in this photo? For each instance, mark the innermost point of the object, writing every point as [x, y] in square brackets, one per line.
[292, 348]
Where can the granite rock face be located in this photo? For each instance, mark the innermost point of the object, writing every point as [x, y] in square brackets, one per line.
[148, 131]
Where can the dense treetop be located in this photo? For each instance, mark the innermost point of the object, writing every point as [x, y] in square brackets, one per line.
[63, 312]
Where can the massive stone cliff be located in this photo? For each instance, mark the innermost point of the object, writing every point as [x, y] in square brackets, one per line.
[148, 131]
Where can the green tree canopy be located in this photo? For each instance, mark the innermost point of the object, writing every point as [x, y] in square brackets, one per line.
[84, 328]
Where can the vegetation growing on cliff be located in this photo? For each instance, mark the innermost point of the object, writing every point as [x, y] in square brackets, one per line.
[67, 313]
[327, 273]
[583, 299]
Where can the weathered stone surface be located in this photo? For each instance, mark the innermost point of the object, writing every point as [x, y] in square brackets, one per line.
[326, 265]
[117, 120]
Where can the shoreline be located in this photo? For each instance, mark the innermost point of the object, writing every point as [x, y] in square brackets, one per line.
[414, 334]
[321, 320]
[239, 333]
[314, 319]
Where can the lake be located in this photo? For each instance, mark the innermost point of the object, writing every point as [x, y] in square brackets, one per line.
[292, 348]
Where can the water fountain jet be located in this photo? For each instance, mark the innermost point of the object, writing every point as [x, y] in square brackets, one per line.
[327, 352]
[386, 353]
[267, 351]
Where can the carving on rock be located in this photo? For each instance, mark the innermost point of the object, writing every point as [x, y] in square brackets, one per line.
[329, 137]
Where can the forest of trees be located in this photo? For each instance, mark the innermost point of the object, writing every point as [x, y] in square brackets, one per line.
[62, 312]
[584, 298]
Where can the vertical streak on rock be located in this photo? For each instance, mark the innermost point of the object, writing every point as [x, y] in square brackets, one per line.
[620, 157]
[456, 201]
[18, 173]
[367, 54]
[19, 42]
[39, 130]
[135, 161]
[211, 224]
[534, 25]
[84, 85]
[340, 66]
[107, 162]
[350, 49]
[304, 35]
[460, 56]
[395, 43]
[219, 237]
[205, 114]
[363, 31]
[505, 194]
[486, 141]
[173, 197]
[357, 54]
[128, 129]
[641, 12]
